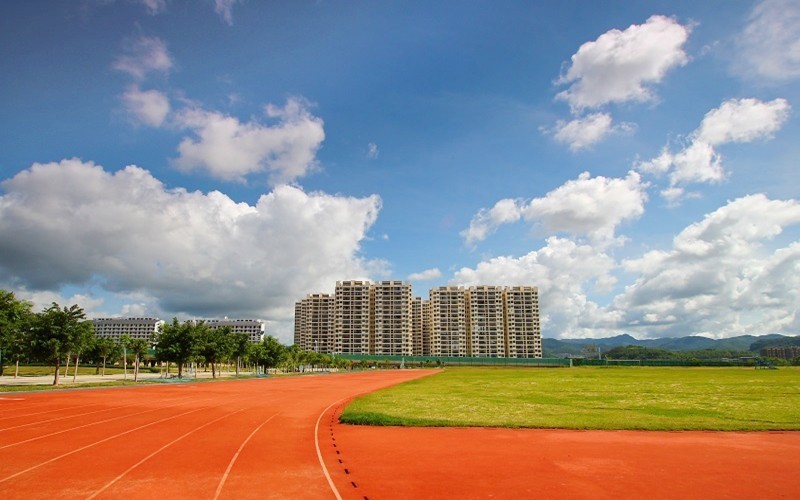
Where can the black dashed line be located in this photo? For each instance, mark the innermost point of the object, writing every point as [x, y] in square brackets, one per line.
[346, 471]
[354, 484]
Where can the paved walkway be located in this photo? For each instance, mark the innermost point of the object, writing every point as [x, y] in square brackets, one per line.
[8, 377]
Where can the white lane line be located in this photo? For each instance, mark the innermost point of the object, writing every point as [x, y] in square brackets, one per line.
[236, 455]
[89, 425]
[12, 476]
[148, 457]
[62, 418]
[46, 411]
[319, 453]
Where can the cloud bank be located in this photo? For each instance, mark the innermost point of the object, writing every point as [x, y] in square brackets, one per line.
[74, 223]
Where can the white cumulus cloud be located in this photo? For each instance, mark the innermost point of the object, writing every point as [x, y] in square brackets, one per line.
[149, 107]
[621, 66]
[588, 206]
[426, 275]
[582, 133]
[229, 149]
[770, 44]
[143, 56]
[719, 278]
[564, 271]
[486, 221]
[224, 8]
[74, 223]
[372, 151]
[742, 120]
[736, 120]
[154, 6]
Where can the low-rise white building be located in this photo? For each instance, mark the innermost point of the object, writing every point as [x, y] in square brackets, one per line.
[254, 328]
[135, 328]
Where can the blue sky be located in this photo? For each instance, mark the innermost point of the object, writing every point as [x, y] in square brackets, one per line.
[635, 160]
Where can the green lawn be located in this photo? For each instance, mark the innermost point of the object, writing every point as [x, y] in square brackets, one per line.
[591, 398]
[41, 370]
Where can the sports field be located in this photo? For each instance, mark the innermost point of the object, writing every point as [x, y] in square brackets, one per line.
[281, 438]
[591, 398]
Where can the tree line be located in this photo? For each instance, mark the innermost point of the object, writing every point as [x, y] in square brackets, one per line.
[58, 336]
[650, 353]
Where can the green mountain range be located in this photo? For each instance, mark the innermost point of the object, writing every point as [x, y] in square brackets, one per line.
[556, 348]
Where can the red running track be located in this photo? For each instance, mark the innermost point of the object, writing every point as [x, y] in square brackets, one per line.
[395, 462]
[233, 439]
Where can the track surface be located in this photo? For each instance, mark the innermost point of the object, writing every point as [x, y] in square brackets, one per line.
[395, 462]
[233, 439]
[280, 438]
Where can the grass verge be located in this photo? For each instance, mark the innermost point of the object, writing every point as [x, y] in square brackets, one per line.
[642, 398]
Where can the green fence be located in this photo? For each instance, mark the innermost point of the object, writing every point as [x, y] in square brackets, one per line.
[660, 362]
[458, 361]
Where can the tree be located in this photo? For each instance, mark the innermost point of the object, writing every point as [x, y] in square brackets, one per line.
[82, 340]
[269, 353]
[241, 344]
[57, 332]
[15, 321]
[138, 348]
[178, 342]
[104, 348]
[215, 344]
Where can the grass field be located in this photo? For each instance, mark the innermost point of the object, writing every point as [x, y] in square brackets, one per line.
[591, 398]
[40, 370]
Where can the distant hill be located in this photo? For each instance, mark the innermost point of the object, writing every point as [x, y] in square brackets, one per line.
[575, 347]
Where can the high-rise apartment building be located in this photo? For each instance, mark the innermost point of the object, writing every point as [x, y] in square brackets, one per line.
[449, 325]
[315, 323]
[427, 328]
[522, 322]
[391, 318]
[383, 318]
[300, 324]
[416, 326]
[352, 314]
[486, 324]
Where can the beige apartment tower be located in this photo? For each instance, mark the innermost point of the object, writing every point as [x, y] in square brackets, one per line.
[487, 335]
[449, 321]
[352, 312]
[416, 326]
[522, 322]
[392, 318]
[427, 328]
[313, 323]
[383, 318]
[299, 325]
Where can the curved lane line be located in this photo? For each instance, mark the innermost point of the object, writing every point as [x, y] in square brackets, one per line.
[148, 457]
[46, 411]
[62, 418]
[88, 425]
[236, 456]
[319, 453]
[12, 476]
